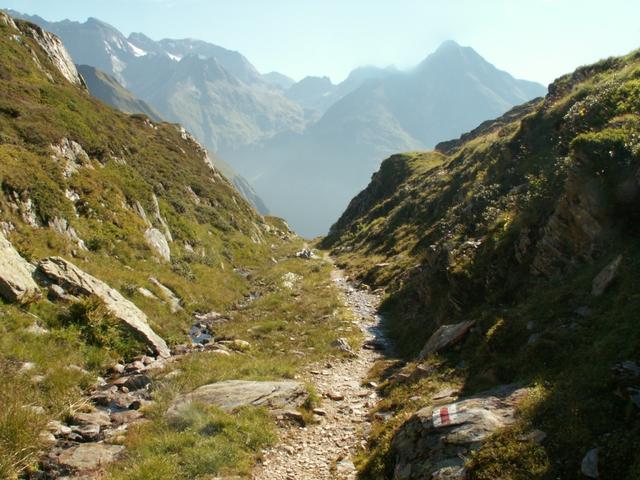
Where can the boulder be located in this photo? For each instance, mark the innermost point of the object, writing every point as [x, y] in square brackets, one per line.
[606, 277]
[71, 278]
[89, 456]
[432, 443]
[158, 243]
[232, 394]
[16, 283]
[445, 336]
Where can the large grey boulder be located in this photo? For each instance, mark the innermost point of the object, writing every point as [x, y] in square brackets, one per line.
[16, 283]
[436, 440]
[78, 282]
[232, 394]
[444, 337]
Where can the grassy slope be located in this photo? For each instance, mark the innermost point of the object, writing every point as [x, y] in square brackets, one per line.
[458, 234]
[131, 159]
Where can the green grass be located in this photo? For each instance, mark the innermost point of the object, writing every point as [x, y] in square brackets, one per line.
[287, 330]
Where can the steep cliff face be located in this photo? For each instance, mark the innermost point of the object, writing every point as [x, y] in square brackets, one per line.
[508, 227]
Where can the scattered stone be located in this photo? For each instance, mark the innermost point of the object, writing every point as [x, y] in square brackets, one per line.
[446, 336]
[606, 277]
[136, 382]
[240, 345]
[98, 417]
[16, 282]
[335, 396]
[146, 293]
[343, 345]
[89, 456]
[89, 433]
[47, 439]
[535, 436]
[290, 279]
[294, 415]
[118, 368]
[58, 428]
[589, 465]
[305, 253]
[36, 329]
[126, 417]
[232, 394]
[68, 275]
[374, 344]
[320, 412]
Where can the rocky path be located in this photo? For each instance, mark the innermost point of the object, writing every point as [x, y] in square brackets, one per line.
[324, 450]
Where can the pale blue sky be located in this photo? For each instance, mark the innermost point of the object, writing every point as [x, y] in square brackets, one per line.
[532, 39]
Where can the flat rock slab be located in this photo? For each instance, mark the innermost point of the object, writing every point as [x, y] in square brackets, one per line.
[232, 394]
[89, 456]
[16, 283]
[446, 336]
[77, 281]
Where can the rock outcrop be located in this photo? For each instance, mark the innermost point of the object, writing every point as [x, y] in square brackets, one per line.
[158, 243]
[16, 284]
[71, 155]
[232, 394]
[78, 282]
[445, 336]
[436, 440]
[52, 46]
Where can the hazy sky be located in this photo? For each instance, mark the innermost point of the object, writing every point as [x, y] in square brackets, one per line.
[532, 39]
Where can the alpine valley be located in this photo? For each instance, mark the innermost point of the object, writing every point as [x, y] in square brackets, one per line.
[471, 312]
[306, 148]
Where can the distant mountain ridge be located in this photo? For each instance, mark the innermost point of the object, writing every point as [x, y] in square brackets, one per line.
[176, 75]
[450, 92]
[106, 88]
[306, 147]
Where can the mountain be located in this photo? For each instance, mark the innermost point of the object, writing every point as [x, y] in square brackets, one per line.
[516, 246]
[319, 93]
[214, 92]
[106, 88]
[451, 91]
[314, 93]
[278, 80]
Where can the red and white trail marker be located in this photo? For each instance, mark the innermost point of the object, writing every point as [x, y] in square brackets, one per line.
[444, 416]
